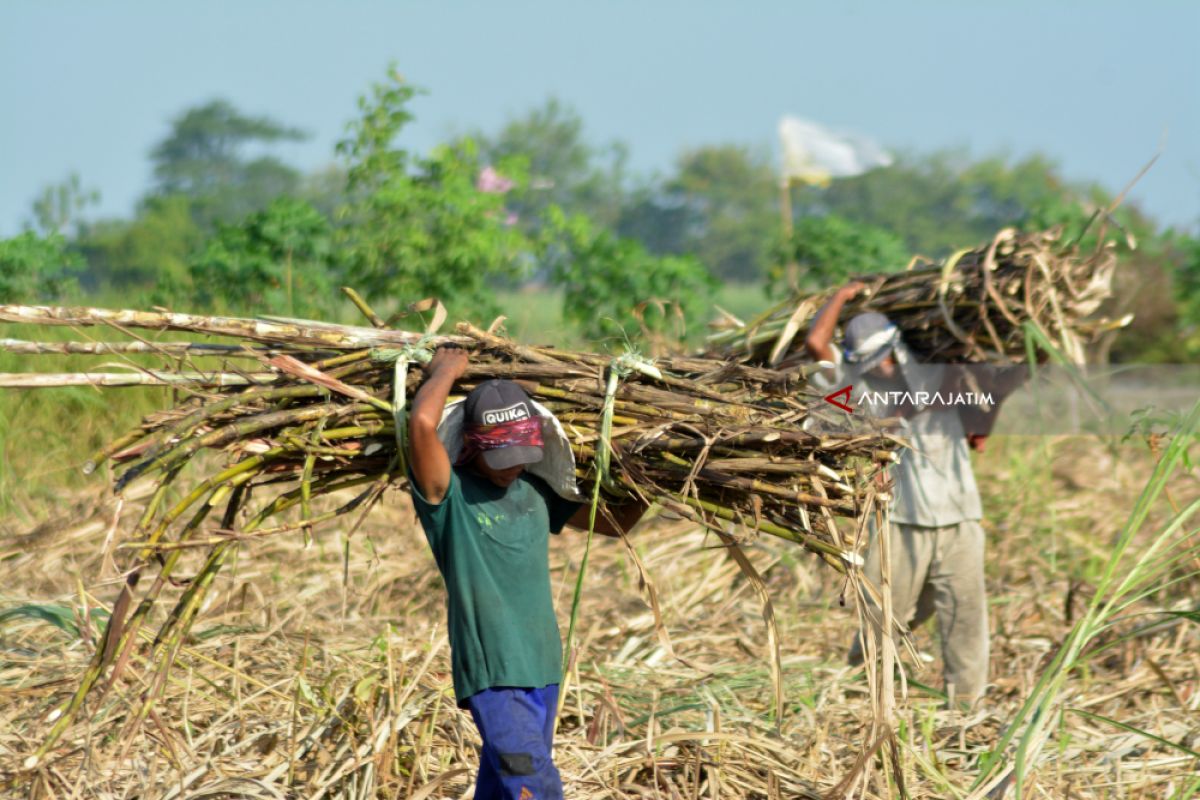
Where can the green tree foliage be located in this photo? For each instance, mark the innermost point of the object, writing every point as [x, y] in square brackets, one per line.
[59, 205]
[204, 158]
[564, 169]
[36, 268]
[1145, 285]
[944, 201]
[206, 172]
[276, 261]
[417, 226]
[720, 205]
[151, 249]
[828, 250]
[228, 222]
[324, 189]
[613, 288]
[1189, 291]
[660, 222]
[1159, 284]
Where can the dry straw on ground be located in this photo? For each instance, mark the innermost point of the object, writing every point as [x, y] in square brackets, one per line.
[317, 666]
[316, 671]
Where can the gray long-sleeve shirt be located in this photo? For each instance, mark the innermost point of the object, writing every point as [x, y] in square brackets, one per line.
[934, 482]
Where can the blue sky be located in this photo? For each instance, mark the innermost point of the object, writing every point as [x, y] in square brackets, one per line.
[90, 87]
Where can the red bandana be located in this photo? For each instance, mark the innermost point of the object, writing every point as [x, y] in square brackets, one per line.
[477, 438]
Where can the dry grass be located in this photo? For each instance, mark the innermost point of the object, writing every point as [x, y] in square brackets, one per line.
[295, 683]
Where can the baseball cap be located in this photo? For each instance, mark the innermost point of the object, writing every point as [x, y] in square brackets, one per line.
[869, 339]
[495, 402]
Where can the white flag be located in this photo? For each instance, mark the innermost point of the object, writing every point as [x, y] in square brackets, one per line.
[814, 154]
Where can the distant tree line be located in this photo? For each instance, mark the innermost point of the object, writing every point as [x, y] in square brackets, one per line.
[229, 226]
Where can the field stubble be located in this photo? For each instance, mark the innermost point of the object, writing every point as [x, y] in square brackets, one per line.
[323, 670]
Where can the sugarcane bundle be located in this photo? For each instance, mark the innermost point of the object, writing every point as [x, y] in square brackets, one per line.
[321, 414]
[974, 307]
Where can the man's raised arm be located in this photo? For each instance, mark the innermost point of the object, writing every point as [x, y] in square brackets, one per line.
[429, 462]
[817, 343]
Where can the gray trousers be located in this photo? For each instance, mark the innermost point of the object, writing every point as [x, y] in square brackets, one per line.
[940, 571]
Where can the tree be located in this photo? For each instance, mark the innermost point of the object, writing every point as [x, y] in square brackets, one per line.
[658, 220]
[613, 288]
[59, 205]
[829, 250]
[204, 159]
[421, 226]
[923, 201]
[564, 169]
[720, 206]
[275, 261]
[944, 201]
[941, 202]
[151, 249]
[1188, 292]
[36, 268]
[324, 189]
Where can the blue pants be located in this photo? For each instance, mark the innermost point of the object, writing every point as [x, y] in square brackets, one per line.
[517, 728]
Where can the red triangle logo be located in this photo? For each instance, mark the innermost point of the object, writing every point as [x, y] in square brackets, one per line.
[844, 394]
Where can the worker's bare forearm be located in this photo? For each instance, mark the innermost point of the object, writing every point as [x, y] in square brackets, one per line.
[430, 463]
[821, 332]
[430, 399]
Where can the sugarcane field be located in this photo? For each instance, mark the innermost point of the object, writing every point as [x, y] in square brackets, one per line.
[654, 401]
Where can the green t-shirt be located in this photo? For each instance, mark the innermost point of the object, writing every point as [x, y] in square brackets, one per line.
[491, 545]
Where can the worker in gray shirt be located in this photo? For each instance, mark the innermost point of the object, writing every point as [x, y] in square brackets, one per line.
[937, 543]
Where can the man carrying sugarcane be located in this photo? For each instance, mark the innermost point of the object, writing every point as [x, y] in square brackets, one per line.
[488, 522]
[936, 540]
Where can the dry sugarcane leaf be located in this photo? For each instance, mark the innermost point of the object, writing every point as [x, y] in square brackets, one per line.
[299, 369]
[972, 307]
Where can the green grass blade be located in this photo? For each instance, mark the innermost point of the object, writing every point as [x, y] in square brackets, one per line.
[61, 617]
[1038, 709]
[1131, 729]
